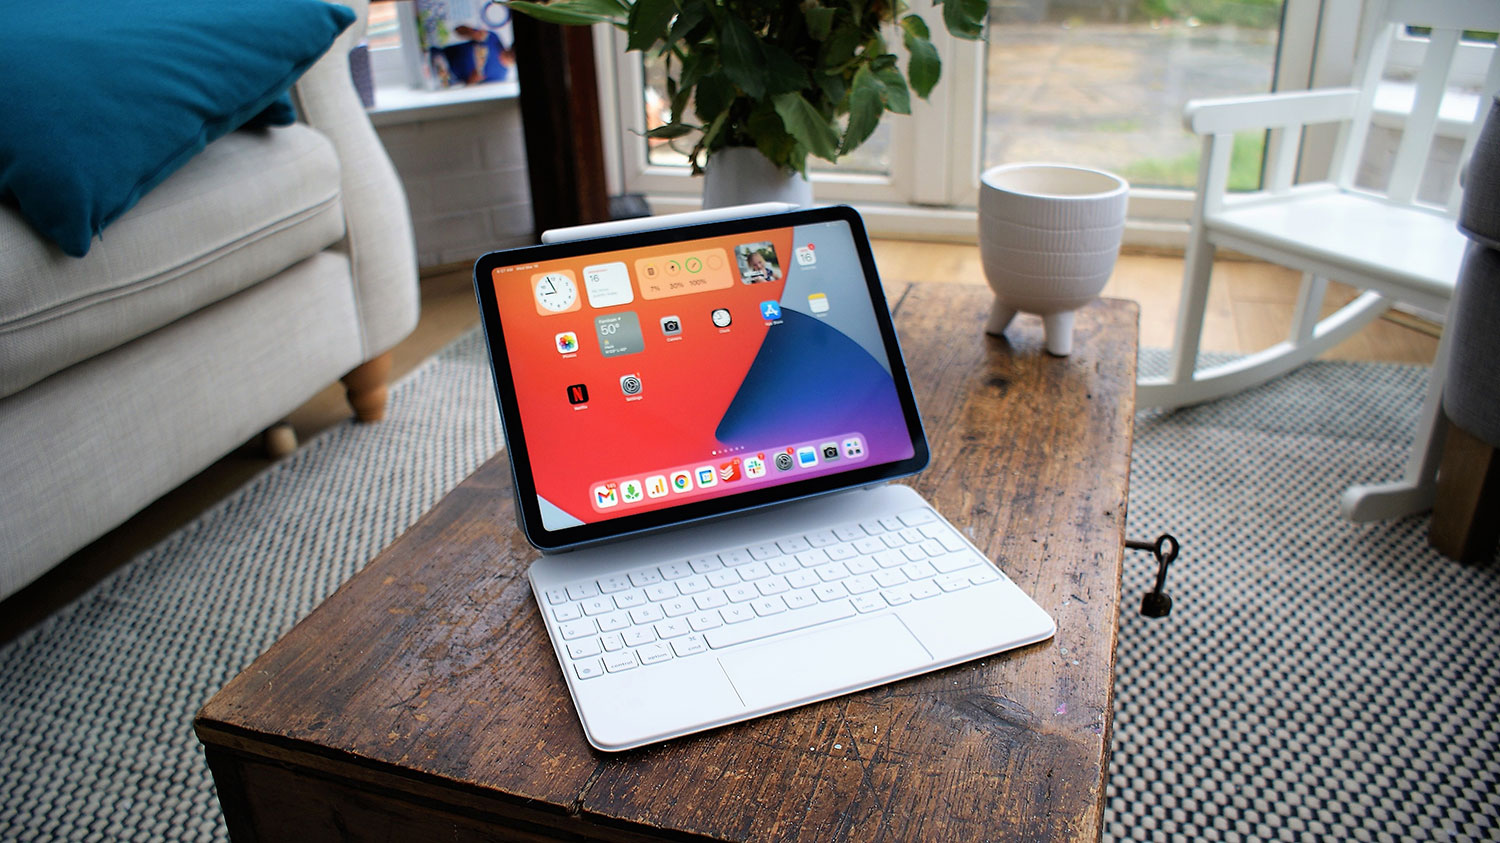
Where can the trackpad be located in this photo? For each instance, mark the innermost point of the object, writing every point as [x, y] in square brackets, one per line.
[824, 663]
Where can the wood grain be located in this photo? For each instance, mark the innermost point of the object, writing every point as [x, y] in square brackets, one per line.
[424, 697]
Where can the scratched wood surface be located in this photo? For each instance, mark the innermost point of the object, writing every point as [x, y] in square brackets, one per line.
[423, 699]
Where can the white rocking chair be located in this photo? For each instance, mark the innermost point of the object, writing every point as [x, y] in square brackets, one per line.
[1393, 246]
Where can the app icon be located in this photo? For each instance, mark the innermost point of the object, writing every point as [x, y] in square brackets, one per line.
[682, 481]
[805, 255]
[556, 292]
[567, 342]
[631, 492]
[630, 384]
[578, 394]
[656, 486]
[607, 284]
[706, 476]
[729, 472]
[721, 317]
[854, 447]
[770, 310]
[619, 333]
[755, 466]
[829, 450]
[817, 303]
[605, 496]
[783, 461]
[807, 456]
[671, 326]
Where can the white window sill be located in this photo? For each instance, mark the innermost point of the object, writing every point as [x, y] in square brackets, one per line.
[398, 104]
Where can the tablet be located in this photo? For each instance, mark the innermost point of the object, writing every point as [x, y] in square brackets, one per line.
[661, 378]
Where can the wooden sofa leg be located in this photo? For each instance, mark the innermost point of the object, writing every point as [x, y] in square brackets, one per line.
[1464, 522]
[366, 388]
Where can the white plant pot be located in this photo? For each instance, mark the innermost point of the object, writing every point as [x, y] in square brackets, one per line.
[740, 175]
[1049, 235]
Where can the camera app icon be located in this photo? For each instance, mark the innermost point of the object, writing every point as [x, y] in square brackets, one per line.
[630, 385]
[671, 326]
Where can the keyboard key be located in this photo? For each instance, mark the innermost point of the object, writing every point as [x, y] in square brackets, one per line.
[693, 585]
[621, 661]
[704, 564]
[822, 538]
[613, 622]
[860, 585]
[832, 571]
[638, 636]
[924, 590]
[783, 564]
[772, 586]
[754, 571]
[890, 558]
[646, 614]
[830, 591]
[711, 600]
[736, 614]
[952, 582]
[914, 553]
[672, 629]
[719, 579]
[767, 606]
[889, 579]
[762, 552]
[783, 623]
[813, 558]
[741, 592]
[848, 534]
[918, 517]
[871, 528]
[679, 606]
[932, 547]
[891, 522]
[705, 620]
[588, 668]
[918, 571]
[868, 603]
[556, 596]
[567, 612]
[676, 570]
[955, 562]
[661, 591]
[612, 641]
[841, 552]
[580, 591]
[577, 629]
[614, 583]
[913, 535]
[630, 599]
[583, 648]
[597, 605]
[795, 544]
[893, 540]
[731, 558]
[897, 597]
[799, 599]
[641, 579]
[862, 565]
[690, 646]
[802, 579]
[869, 544]
[654, 653]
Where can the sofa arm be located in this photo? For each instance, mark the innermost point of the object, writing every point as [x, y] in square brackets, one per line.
[379, 242]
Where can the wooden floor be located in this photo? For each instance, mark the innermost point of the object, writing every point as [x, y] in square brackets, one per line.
[1250, 306]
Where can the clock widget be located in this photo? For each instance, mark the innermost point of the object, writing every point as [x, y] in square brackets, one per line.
[556, 292]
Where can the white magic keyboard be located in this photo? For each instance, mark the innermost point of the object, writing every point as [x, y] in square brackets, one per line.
[709, 603]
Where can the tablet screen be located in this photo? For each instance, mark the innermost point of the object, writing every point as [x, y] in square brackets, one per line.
[659, 378]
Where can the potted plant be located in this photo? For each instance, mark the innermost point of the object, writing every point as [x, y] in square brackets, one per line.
[784, 78]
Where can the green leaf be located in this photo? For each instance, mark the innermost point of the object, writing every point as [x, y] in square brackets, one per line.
[865, 107]
[567, 12]
[648, 22]
[771, 138]
[783, 73]
[819, 22]
[807, 125]
[743, 57]
[669, 131]
[965, 18]
[897, 97]
[693, 14]
[832, 85]
[840, 47]
[915, 27]
[715, 93]
[925, 67]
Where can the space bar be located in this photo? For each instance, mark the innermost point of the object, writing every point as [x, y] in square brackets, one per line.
[777, 624]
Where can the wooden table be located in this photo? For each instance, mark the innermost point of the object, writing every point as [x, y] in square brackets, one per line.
[422, 701]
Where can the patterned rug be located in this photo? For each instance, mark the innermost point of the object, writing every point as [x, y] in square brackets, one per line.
[1316, 680]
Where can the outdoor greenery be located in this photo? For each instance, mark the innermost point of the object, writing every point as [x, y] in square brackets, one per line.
[790, 79]
[1244, 165]
[1260, 14]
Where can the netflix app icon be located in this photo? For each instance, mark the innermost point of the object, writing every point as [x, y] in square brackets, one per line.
[578, 394]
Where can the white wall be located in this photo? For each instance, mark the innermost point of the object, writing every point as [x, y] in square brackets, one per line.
[465, 177]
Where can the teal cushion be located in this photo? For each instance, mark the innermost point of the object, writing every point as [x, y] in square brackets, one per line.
[103, 100]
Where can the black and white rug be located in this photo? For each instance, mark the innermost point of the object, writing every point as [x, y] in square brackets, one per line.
[1317, 680]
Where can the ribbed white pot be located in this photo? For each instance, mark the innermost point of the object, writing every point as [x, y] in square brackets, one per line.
[1049, 235]
[740, 175]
